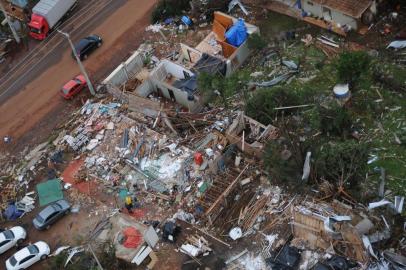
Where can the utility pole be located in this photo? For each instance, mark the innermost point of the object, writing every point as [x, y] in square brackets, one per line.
[82, 68]
[16, 37]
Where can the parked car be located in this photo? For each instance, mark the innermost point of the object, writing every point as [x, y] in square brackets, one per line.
[87, 45]
[12, 237]
[27, 256]
[73, 87]
[51, 214]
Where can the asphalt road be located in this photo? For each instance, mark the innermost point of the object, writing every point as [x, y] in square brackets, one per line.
[29, 93]
[49, 52]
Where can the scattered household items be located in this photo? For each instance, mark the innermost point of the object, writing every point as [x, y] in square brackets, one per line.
[170, 231]
[196, 245]
[341, 91]
[398, 44]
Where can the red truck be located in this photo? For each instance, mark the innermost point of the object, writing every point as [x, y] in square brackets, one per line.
[47, 14]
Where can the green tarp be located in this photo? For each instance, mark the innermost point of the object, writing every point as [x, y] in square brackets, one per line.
[49, 191]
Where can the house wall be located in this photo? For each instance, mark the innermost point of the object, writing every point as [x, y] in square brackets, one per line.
[146, 88]
[237, 58]
[132, 66]
[316, 10]
[158, 76]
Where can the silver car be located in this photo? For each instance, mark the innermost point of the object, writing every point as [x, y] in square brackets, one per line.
[51, 214]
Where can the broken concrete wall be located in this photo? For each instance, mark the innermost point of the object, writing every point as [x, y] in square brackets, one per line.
[124, 71]
[146, 88]
[235, 57]
[241, 54]
[161, 73]
[190, 54]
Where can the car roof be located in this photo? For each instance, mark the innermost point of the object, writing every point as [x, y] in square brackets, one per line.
[70, 84]
[82, 44]
[2, 237]
[47, 211]
[21, 254]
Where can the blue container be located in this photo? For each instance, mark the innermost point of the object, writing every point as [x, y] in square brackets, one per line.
[186, 20]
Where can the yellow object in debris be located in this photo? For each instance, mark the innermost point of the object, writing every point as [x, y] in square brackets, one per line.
[128, 200]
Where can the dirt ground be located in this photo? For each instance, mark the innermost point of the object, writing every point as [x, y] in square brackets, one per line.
[29, 116]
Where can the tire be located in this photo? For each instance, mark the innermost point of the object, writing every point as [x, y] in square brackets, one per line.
[43, 257]
[85, 57]
[99, 44]
[48, 227]
[20, 241]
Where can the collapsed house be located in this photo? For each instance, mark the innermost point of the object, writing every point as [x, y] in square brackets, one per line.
[334, 15]
[132, 82]
[216, 53]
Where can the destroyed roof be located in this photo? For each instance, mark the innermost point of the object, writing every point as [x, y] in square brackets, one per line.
[210, 64]
[353, 8]
[188, 84]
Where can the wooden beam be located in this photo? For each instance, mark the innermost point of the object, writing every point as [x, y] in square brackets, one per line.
[227, 191]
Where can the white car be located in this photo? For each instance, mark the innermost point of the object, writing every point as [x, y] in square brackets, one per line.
[12, 237]
[27, 256]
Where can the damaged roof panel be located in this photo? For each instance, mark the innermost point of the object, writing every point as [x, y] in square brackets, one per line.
[353, 8]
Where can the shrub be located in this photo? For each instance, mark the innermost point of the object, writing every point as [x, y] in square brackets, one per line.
[351, 65]
[283, 171]
[225, 87]
[168, 8]
[334, 120]
[261, 106]
[342, 162]
[256, 42]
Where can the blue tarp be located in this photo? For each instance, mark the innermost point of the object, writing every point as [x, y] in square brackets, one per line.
[237, 34]
[11, 212]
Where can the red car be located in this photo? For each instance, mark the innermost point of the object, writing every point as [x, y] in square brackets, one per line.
[73, 87]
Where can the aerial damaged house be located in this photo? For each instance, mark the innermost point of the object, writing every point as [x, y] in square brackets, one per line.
[353, 13]
[216, 51]
[339, 16]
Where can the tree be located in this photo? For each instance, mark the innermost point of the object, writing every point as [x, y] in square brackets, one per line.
[218, 86]
[342, 163]
[168, 8]
[256, 42]
[333, 119]
[261, 106]
[351, 65]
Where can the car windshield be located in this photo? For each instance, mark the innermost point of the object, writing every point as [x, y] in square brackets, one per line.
[8, 234]
[36, 30]
[57, 207]
[33, 249]
[65, 91]
[81, 45]
[13, 261]
[78, 81]
[40, 219]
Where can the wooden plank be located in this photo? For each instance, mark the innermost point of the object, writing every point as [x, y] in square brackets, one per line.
[227, 191]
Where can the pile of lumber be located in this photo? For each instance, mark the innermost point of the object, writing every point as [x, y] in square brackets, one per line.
[195, 245]
[251, 212]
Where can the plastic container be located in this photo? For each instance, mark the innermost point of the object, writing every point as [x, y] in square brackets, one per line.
[198, 158]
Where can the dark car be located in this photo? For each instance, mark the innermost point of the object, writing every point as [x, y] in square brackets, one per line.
[51, 214]
[87, 45]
